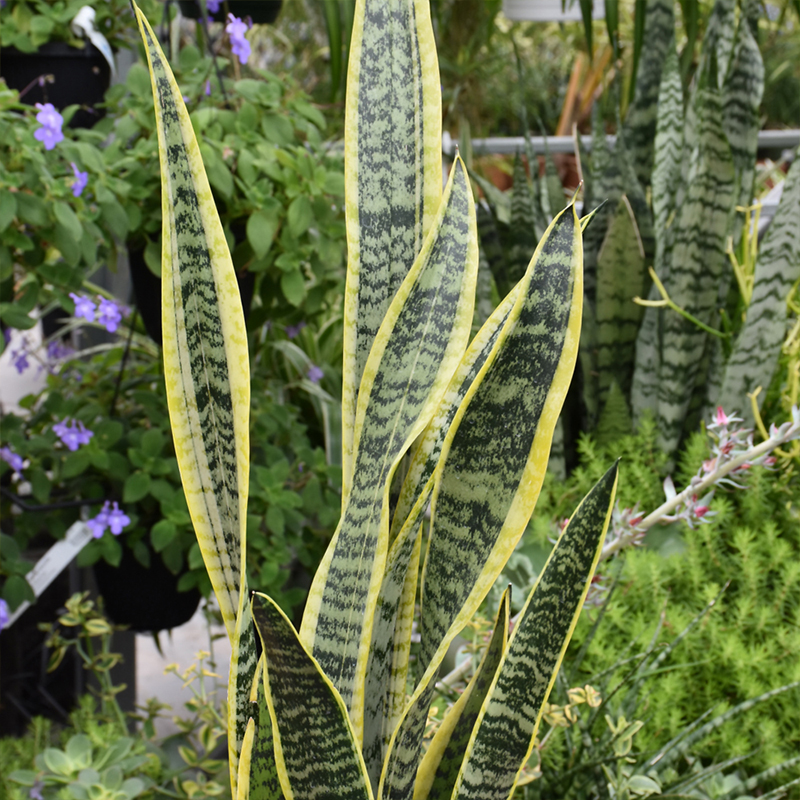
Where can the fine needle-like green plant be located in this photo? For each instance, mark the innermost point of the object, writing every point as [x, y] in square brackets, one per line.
[333, 711]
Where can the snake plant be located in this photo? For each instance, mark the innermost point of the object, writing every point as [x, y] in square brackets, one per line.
[338, 709]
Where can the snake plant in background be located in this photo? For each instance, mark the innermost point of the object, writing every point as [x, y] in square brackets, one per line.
[335, 710]
[696, 159]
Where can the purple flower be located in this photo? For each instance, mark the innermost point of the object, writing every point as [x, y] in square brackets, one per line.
[109, 517]
[293, 330]
[98, 524]
[109, 314]
[73, 435]
[12, 458]
[314, 373]
[58, 351]
[208, 88]
[36, 791]
[81, 179]
[117, 520]
[4, 615]
[84, 307]
[236, 29]
[51, 122]
[212, 6]
[20, 358]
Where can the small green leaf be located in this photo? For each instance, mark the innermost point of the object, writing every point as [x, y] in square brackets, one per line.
[57, 761]
[138, 80]
[277, 129]
[641, 784]
[162, 533]
[16, 590]
[68, 219]
[66, 244]
[261, 229]
[79, 750]
[75, 463]
[40, 484]
[8, 209]
[152, 443]
[293, 287]
[275, 520]
[115, 217]
[299, 215]
[32, 210]
[16, 318]
[136, 487]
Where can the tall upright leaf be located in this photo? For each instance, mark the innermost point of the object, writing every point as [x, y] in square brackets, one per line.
[755, 354]
[504, 734]
[207, 375]
[668, 147]
[697, 261]
[206, 363]
[416, 351]
[316, 749]
[440, 766]
[486, 487]
[393, 173]
[640, 122]
[666, 182]
[621, 277]
[488, 484]
[742, 93]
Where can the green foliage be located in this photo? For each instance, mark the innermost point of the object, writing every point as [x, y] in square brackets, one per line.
[131, 459]
[743, 646]
[95, 756]
[277, 185]
[28, 24]
[697, 155]
[51, 241]
[88, 772]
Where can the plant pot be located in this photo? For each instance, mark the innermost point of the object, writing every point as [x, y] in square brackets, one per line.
[260, 11]
[147, 292]
[144, 598]
[81, 75]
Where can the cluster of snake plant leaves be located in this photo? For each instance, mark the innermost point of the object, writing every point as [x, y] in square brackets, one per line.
[675, 183]
[334, 710]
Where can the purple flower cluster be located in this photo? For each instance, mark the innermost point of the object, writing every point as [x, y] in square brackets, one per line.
[110, 517]
[4, 615]
[73, 435]
[212, 6]
[315, 374]
[20, 356]
[12, 458]
[236, 29]
[51, 121]
[56, 351]
[105, 312]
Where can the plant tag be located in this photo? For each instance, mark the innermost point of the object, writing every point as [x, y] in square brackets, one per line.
[83, 26]
[53, 562]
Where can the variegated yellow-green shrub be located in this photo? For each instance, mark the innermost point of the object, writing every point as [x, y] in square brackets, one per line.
[333, 711]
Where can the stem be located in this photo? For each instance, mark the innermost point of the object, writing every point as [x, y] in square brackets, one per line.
[750, 455]
[668, 302]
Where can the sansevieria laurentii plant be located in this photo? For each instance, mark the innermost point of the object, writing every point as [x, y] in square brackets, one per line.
[334, 711]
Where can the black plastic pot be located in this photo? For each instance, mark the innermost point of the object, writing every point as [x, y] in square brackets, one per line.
[81, 76]
[144, 598]
[260, 11]
[147, 292]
